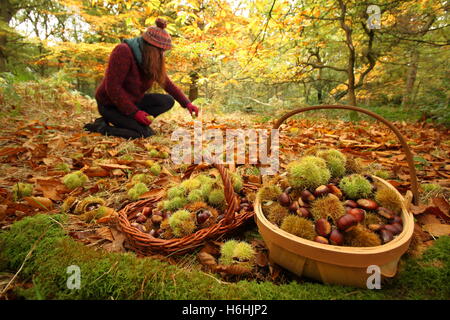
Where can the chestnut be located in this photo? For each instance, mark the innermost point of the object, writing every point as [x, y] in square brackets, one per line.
[350, 203]
[390, 228]
[386, 235]
[359, 214]
[367, 204]
[141, 219]
[284, 199]
[335, 190]
[346, 222]
[244, 200]
[288, 190]
[385, 212]
[336, 237]
[153, 233]
[397, 219]
[147, 211]
[398, 226]
[375, 227]
[323, 227]
[307, 196]
[202, 216]
[156, 219]
[294, 207]
[321, 191]
[303, 212]
[320, 239]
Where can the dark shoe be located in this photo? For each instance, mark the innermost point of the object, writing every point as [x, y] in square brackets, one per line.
[99, 125]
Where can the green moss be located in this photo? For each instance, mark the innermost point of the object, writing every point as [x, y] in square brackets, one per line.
[308, 173]
[125, 276]
[356, 186]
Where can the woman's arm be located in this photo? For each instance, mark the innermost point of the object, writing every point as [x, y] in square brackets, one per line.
[172, 89]
[118, 66]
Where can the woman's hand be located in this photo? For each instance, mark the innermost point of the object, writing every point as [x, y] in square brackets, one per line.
[141, 117]
[192, 109]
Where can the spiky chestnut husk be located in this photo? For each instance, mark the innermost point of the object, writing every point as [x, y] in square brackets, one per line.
[69, 204]
[176, 191]
[388, 198]
[75, 180]
[299, 227]
[142, 177]
[153, 153]
[20, 190]
[195, 207]
[327, 207]
[155, 169]
[84, 204]
[373, 218]
[237, 253]
[269, 192]
[360, 236]
[98, 213]
[191, 184]
[217, 198]
[138, 189]
[275, 213]
[175, 203]
[335, 160]
[308, 173]
[237, 181]
[354, 165]
[356, 186]
[182, 223]
[195, 196]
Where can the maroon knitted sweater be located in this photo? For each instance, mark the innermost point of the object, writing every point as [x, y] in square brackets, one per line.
[124, 83]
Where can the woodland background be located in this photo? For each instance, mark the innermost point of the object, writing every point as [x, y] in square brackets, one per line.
[252, 56]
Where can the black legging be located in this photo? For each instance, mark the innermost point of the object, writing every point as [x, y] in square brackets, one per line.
[126, 126]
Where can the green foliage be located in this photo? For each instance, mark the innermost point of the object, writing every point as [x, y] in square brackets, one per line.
[356, 186]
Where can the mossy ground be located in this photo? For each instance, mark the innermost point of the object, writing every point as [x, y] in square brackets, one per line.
[125, 276]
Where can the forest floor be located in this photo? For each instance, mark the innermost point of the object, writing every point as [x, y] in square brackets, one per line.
[40, 146]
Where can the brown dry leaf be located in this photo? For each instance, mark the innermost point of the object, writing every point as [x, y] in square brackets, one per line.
[261, 259]
[117, 244]
[206, 259]
[112, 166]
[105, 233]
[153, 194]
[416, 210]
[211, 248]
[3, 208]
[443, 205]
[437, 229]
[275, 271]
[51, 188]
[8, 151]
[96, 172]
[117, 172]
[427, 219]
[234, 269]
[39, 202]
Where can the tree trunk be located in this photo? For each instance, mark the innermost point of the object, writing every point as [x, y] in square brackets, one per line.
[411, 78]
[6, 13]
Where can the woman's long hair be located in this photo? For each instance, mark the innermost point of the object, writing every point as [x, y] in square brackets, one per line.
[153, 63]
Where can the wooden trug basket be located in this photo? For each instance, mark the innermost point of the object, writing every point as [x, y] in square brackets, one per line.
[146, 244]
[337, 264]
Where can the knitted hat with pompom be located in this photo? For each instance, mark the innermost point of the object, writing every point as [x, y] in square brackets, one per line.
[157, 36]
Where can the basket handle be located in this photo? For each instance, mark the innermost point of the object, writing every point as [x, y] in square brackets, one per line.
[230, 196]
[406, 149]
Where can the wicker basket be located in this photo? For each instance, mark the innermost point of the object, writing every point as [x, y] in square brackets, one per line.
[146, 244]
[336, 264]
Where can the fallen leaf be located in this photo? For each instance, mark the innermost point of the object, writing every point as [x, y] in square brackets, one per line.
[437, 229]
[206, 259]
[443, 205]
[39, 202]
[427, 219]
[261, 259]
[211, 248]
[96, 172]
[105, 233]
[234, 269]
